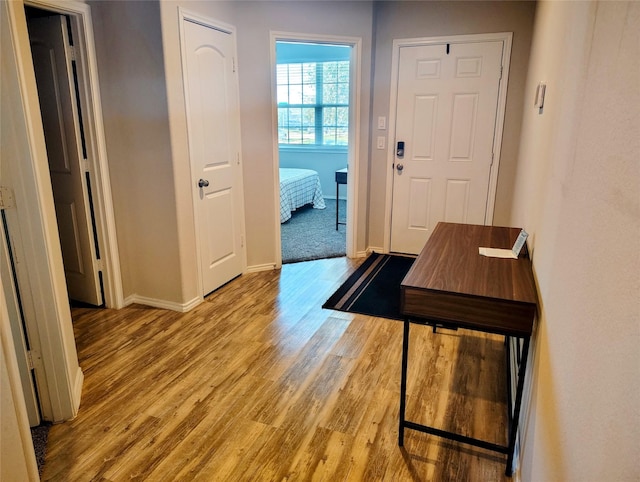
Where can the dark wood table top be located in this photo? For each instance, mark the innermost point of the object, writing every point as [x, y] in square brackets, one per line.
[450, 282]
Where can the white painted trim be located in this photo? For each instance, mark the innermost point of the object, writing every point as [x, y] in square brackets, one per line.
[186, 15]
[182, 16]
[8, 359]
[275, 150]
[353, 186]
[507, 40]
[163, 304]
[78, 380]
[504, 37]
[96, 144]
[256, 268]
[354, 131]
[41, 277]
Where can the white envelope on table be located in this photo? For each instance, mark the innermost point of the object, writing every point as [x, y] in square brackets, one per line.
[506, 253]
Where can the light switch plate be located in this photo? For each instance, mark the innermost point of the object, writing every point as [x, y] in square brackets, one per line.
[382, 122]
[380, 142]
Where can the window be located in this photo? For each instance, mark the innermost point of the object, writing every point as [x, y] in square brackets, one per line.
[313, 103]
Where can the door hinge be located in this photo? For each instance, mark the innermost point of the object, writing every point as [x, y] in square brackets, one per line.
[242, 241]
[6, 198]
[492, 156]
[233, 63]
[501, 68]
[34, 360]
[238, 158]
[30, 360]
[72, 52]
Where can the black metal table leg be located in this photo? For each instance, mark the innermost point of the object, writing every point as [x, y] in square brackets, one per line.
[518, 404]
[337, 202]
[403, 381]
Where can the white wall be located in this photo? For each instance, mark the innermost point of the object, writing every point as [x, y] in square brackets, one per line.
[136, 123]
[145, 121]
[577, 192]
[255, 20]
[398, 20]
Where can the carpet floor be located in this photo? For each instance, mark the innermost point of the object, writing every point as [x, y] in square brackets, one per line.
[311, 233]
[40, 435]
[374, 288]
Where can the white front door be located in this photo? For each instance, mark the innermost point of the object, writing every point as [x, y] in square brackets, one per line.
[447, 101]
[213, 120]
[52, 61]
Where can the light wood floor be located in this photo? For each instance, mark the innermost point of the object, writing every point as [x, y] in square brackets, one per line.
[260, 383]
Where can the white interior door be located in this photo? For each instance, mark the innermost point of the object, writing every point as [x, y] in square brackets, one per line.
[52, 60]
[213, 117]
[447, 103]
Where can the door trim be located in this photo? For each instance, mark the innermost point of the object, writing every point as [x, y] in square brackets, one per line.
[82, 28]
[183, 16]
[506, 38]
[354, 132]
[33, 228]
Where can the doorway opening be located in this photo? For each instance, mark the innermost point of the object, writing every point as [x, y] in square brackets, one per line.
[315, 97]
[54, 59]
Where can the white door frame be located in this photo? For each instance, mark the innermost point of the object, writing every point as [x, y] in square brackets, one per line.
[32, 224]
[186, 15]
[354, 131]
[506, 39]
[82, 29]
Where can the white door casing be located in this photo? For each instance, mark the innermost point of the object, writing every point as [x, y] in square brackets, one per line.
[31, 225]
[18, 328]
[355, 61]
[213, 131]
[448, 114]
[56, 91]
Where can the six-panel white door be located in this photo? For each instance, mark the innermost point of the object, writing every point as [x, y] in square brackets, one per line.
[212, 117]
[447, 103]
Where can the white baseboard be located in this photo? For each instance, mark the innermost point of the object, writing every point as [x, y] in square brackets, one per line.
[77, 390]
[261, 267]
[163, 304]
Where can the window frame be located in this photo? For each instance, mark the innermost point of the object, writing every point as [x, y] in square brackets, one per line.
[319, 106]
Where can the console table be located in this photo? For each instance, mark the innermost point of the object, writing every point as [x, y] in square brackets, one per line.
[451, 285]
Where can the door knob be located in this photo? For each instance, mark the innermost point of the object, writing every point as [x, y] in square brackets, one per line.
[399, 167]
[203, 183]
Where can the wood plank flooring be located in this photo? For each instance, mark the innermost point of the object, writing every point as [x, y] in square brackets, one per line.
[259, 383]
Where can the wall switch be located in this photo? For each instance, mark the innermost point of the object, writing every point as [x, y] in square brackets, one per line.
[382, 122]
[380, 142]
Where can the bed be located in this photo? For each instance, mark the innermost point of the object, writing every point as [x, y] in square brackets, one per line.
[299, 187]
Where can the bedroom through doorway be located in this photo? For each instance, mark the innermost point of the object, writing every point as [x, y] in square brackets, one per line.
[313, 92]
